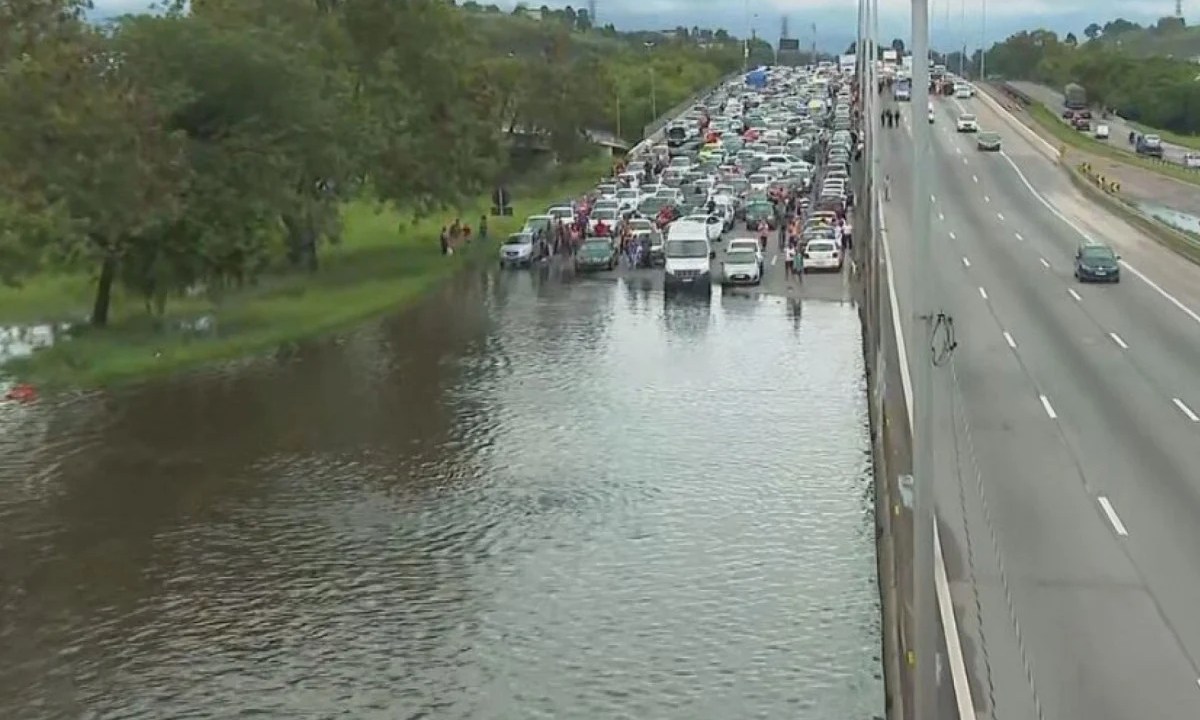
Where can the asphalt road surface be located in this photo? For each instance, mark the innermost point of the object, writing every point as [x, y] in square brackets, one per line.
[1068, 451]
[1118, 129]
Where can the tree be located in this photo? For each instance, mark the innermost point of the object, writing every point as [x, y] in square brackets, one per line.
[82, 138]
[583, 21]
[1092, 31]
[898, 46]
[1070, 39]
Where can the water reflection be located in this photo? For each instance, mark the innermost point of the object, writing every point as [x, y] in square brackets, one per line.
[524, 499]
[1174, 218]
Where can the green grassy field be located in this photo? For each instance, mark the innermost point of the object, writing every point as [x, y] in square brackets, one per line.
[383, 262]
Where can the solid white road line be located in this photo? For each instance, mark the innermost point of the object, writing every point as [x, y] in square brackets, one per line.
[966, 262]
[1009, 339]
[1074, 295]
[983, 293]
[1117, 339]
[1001, 216]
[1049, 408]
[1183, 408]
[1138, 273]
[958, 667]
[1045, 263]
[1112, 516]
[1018, 236]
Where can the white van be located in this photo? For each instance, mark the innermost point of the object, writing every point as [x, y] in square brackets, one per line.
[688, 256]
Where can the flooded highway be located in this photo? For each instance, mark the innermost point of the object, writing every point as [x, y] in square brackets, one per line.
[526, 498]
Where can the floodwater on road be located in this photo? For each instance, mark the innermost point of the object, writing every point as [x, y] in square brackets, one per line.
[526, 498]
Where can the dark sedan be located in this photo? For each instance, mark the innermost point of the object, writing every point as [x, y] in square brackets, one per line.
[1095, 262]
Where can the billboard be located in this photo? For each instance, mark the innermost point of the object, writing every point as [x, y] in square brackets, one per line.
[789, 44]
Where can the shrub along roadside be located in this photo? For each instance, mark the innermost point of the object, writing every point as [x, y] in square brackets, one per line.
[384, 262]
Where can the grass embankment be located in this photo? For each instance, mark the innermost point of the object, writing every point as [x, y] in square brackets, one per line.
[383, 262]
[1067, 135]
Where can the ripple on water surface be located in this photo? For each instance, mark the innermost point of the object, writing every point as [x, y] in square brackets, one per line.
[638, 509]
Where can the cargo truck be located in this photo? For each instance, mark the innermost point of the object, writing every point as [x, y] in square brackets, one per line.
[1074, 97]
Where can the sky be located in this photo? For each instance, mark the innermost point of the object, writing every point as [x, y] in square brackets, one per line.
[953, 23]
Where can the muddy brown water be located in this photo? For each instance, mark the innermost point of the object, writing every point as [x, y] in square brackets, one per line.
[530, 497]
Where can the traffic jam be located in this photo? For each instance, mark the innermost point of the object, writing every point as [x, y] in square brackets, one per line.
[755, 176]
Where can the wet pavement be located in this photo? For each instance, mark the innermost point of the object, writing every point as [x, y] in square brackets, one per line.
[533, 496]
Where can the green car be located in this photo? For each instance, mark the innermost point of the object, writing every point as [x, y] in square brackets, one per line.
[759, 210]
[596, 253]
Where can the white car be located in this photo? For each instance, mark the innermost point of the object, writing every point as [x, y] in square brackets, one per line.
[759, 182]
[609, 218]
[713, 224]
[517, 250]
[967, 123]
[963, 91]
[822, 255]
[628, 198]
[1101, 132]
[741, 267]
[747, 245]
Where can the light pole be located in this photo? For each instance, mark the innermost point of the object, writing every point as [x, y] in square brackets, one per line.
[962, 31]
[983, 43]
[653, 86]
[924, 279]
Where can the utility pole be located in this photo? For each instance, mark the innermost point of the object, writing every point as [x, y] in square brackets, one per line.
[653, 83]
[962, 32]
[924, 279]
[814, 47]
[983, 47]
[746, 41]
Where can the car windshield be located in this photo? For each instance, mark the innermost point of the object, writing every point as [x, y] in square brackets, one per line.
[967, 117]
[687, 249]
[640, 225]
[596, 246]
[561, 212]
[820, 246]
[743, 246]
[519, 239]
[989, 137]
[1097, 253]
[741, 257]
[627, 193]
[604, 214]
